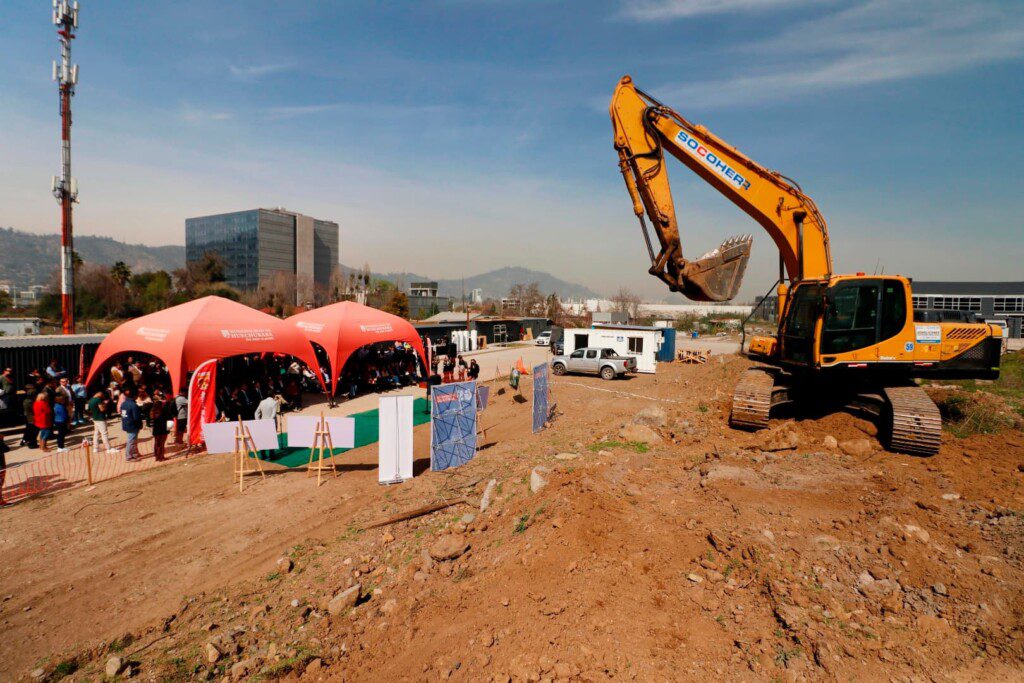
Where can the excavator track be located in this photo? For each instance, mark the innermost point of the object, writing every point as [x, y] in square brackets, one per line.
[752, 399]
[916, 422]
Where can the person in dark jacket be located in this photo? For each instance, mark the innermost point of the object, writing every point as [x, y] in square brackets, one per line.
[61, 418]
[29, 438]
[131, 423]
[474, 369]
[161, 412]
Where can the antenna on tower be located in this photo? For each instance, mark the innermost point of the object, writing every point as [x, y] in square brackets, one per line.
[65, 188]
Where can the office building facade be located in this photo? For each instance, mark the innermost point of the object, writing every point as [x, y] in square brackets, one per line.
[258, 243]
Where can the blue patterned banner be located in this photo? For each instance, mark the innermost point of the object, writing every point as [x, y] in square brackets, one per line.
[541, 411]
[452, 425]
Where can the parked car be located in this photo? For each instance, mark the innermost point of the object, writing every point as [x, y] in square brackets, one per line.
[557, 348]
[544, 338]
[594, 361]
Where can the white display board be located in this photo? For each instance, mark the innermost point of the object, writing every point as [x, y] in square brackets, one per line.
[220, 436]
[302, 428]
[395, 444]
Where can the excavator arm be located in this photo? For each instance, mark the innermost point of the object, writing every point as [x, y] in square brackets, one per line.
[644, 128]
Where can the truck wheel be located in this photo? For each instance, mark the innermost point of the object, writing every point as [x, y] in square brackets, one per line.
[558, 369]
[607, 372]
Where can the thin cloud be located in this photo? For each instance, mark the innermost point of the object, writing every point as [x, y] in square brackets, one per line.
[190, 114]
[658, 10]
[252, 72]
[375, 110]
[875, 42]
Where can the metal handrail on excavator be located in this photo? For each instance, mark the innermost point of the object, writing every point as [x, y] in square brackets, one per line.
[743, 325]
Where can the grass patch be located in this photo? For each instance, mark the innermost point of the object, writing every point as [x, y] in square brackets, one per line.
[273, 576]
[119, 644]
[703, 407]
[522, 525]
[1009, 386]
[782, 655]
[635, 446]
[964, 414]
[63, 669]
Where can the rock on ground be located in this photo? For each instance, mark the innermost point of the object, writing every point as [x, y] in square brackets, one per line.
[537, 479]
[488, 496]
[114, 666]
[640, 434]
[856, 447]
[344, 600]
[652, 416]
[782, 438]
[448, 547]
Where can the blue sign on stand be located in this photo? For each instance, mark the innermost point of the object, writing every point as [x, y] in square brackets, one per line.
[452, 425]
[541, 393]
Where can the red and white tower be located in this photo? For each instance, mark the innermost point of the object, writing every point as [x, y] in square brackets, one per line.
[65, 189]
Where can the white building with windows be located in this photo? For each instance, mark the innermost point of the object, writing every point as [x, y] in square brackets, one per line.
[1001, 302]
[642, 343]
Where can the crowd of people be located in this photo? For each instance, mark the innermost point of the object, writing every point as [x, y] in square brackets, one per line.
[379, 367]
[55, 405]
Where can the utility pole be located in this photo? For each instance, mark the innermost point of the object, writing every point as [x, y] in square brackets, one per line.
[65, 189]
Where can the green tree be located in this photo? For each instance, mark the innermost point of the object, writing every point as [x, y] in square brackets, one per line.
[397, 304]
[121, 273]
[5, 300]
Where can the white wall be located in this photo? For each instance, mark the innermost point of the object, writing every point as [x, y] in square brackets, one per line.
[619, 340]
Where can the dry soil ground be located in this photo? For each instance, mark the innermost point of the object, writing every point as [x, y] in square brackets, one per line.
[703, 553]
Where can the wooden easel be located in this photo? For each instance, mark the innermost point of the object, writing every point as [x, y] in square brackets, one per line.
[321, 442]
[243, 446]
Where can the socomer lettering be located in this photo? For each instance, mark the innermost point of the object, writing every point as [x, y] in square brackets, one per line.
[723, 169]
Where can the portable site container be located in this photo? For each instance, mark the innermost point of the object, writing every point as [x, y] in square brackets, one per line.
[643, 343]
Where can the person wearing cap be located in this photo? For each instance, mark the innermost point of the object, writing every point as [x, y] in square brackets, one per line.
[6, 392]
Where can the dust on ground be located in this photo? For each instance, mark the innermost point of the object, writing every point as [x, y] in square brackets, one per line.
[638, 537]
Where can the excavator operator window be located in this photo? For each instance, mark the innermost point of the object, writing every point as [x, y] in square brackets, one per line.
[798, 329]
[851, 318]
[894, 309]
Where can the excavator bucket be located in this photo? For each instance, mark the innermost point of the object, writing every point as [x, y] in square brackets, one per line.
[717, 275]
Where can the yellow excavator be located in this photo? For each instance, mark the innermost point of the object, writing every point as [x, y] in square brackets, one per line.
[842, 340]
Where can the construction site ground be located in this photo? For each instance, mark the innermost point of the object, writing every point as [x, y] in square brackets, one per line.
[654, 543]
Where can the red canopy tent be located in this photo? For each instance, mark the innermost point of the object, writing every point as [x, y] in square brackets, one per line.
[212, 327]
[344, 327]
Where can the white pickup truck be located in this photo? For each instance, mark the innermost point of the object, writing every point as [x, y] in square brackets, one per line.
[594, 361]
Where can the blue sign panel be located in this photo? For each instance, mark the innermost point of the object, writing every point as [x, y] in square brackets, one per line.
[452, 425]
[541, 394]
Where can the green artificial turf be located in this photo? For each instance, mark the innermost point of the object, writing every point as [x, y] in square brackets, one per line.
[366, 433]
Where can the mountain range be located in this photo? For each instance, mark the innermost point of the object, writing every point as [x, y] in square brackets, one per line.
[495, 283]
[28, 259]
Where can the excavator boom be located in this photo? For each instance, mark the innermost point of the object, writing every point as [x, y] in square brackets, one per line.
[644, 128]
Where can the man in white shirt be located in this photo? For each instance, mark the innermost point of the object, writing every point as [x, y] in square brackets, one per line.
[269, 407]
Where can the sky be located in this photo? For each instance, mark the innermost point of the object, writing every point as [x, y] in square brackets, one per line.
[451, 137]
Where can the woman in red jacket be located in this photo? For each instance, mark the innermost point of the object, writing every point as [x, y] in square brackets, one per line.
[43, 413]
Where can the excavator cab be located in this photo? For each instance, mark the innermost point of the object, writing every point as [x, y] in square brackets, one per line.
[857, 313]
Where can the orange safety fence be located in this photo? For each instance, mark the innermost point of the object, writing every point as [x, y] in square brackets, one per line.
[77, 466]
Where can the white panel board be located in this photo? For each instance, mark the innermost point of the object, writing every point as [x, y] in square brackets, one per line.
[220, 436]
[343, 431]
[264, 434]
[395, 445]
[302, 429]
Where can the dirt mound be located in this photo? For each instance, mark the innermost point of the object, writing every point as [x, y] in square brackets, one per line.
[704, 553]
